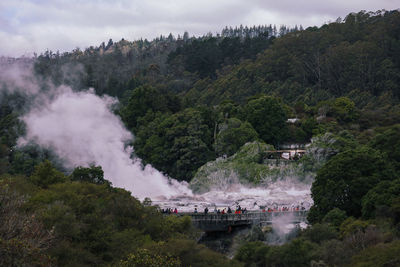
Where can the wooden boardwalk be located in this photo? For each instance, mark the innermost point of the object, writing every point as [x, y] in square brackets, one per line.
[212, 222]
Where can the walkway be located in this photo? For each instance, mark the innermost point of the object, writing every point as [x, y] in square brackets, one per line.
[212, 222]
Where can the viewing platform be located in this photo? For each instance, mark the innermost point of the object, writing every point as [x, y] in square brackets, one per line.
[213, 222]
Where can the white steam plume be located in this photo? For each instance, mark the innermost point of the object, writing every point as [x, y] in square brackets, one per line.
[82, 130]
[17, 78]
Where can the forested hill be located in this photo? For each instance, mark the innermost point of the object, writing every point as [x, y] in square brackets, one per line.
[358, 57]
[190, 100]
[115, 67]
[213, 101]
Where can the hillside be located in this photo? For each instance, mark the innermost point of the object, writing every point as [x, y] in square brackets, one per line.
[205, 111]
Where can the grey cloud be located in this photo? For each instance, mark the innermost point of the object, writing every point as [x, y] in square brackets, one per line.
[35, 25]
[332, 8]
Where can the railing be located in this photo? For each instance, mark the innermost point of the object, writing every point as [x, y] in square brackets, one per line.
[248, 216]
[225, 217]
[224, 222]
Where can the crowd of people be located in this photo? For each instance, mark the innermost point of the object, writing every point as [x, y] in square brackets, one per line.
[169, 211]
[284, 208]
[238, 210]
[228, 210]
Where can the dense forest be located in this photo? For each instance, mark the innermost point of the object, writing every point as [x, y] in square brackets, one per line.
[189, 100]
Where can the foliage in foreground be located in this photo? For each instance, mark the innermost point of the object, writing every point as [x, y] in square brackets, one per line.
[82, 223]
[354, 243]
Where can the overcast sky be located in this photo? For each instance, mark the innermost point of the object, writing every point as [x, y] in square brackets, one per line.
[28, 26]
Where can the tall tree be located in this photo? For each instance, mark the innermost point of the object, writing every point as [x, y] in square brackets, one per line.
[268, 118]
[344, 180]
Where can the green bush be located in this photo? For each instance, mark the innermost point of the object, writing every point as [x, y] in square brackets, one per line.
[45, 174]
[320, 232]
[335, 217]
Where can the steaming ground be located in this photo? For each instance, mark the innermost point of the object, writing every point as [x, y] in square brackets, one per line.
[279, 194]
[82, 130]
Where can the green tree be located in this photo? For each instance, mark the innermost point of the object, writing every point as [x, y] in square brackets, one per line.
[345, 179]
[344, 109]
[298, 252]
[335, 217]
[389, 142]
[45, 174]
[24, 241]
[192, 254]
[319, 233]
[268, 118]
[96, 224]
[380, 255]
[252, 253]
[177, 144]
[232, 135]
[93, 174]
[145, 258]
[143, 99]
[380, 198]
[4, 159]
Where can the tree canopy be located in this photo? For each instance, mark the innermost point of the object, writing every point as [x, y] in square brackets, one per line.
[344, 180]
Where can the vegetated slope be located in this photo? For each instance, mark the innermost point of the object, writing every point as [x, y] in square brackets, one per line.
[49, 219]
[342, 77]
[357, 57]
[116, 67]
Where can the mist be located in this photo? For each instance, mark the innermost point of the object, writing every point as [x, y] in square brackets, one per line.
[284, 228]
[18, 78]
[81, 129]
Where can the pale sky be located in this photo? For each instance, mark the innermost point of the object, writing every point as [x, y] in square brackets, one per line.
[28, 26]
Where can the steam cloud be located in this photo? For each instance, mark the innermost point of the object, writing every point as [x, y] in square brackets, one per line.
[18, 78]
[82, 130]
